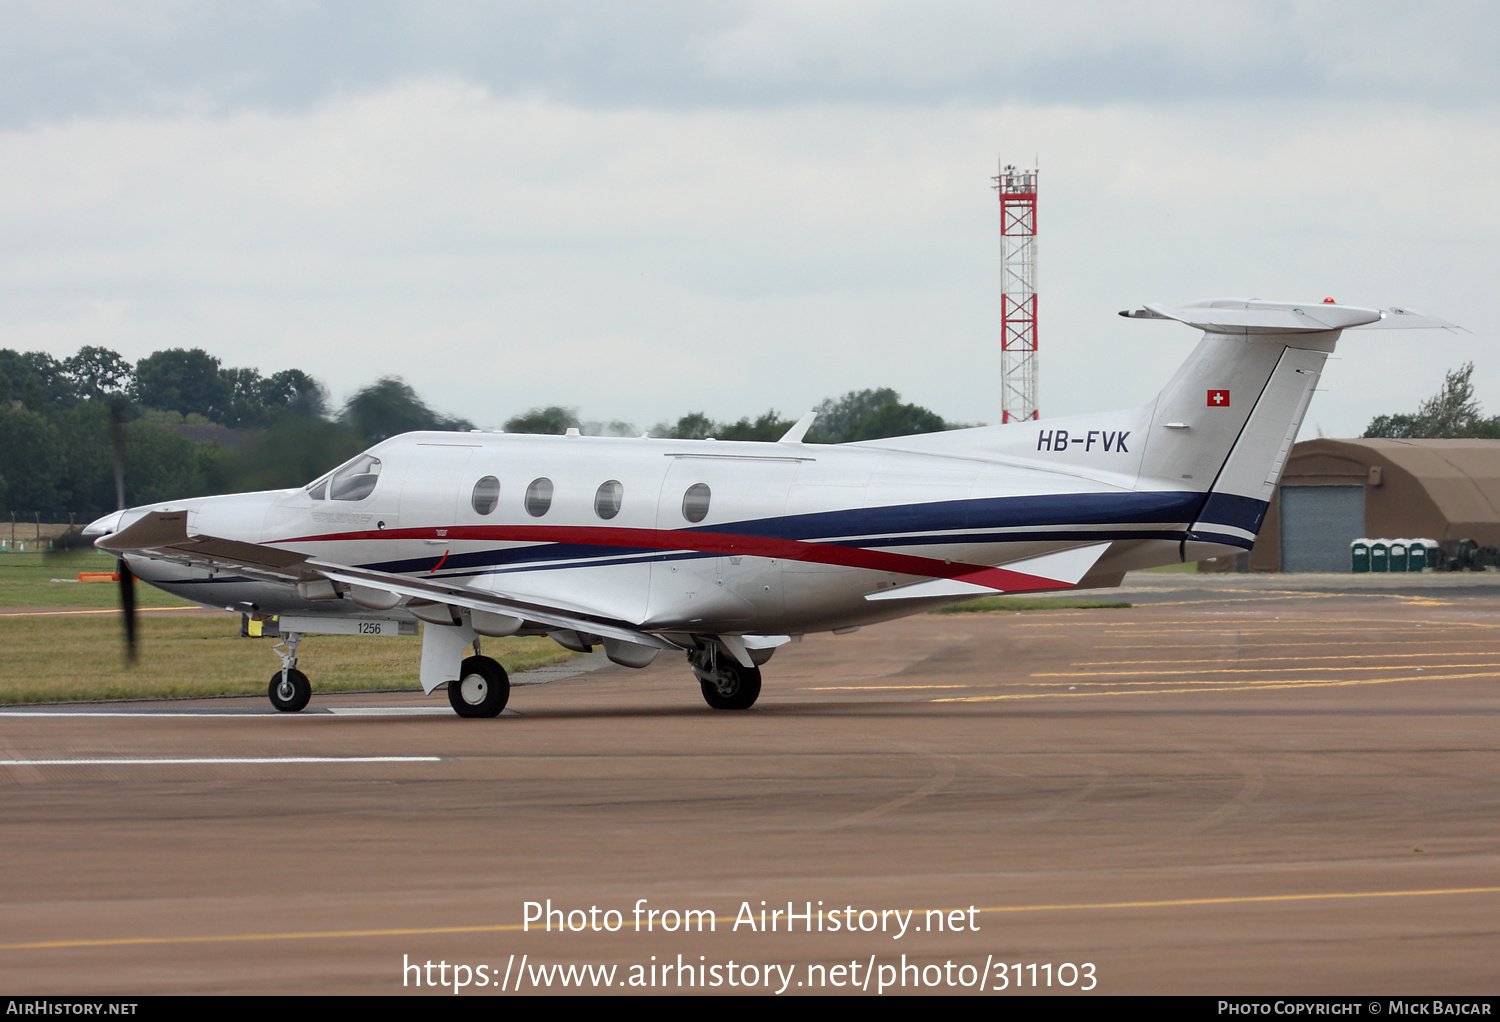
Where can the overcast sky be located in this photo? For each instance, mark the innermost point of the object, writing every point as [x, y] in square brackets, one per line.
[642, 209]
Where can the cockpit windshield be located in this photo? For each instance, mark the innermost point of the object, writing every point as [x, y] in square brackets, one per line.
[354, 481]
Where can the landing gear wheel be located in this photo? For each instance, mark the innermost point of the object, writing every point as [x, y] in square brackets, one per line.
[736, 688]
[482, 689]
[291, 693]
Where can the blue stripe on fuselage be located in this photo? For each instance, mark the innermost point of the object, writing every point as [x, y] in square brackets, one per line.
[963, 520]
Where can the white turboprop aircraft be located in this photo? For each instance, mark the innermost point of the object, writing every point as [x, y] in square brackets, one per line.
[726, 550]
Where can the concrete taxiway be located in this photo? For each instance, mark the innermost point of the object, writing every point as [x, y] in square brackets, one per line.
[1241, 786]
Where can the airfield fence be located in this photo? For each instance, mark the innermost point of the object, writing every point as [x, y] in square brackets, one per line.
[22, 532]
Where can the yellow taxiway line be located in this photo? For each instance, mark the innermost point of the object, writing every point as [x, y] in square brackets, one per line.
[225, 938]
[1270, 683]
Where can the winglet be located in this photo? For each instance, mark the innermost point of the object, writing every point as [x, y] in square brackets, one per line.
[799, 429]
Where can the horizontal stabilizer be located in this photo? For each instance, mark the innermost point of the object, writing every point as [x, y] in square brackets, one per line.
[1253, 316]
[1241, 316]
[1063, 569]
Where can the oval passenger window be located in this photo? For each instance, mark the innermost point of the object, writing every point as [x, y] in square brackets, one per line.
[539, 497]
[607, 499]
[486, 495]
[695, 502]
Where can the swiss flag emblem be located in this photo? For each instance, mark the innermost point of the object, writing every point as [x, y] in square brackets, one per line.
[1218, 399]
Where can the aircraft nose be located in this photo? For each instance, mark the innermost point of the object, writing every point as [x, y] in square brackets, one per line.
[101, 527]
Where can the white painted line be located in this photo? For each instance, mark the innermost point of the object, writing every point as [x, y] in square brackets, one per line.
[395, 712]
[138, 714]
[223, 761]
[347, 711]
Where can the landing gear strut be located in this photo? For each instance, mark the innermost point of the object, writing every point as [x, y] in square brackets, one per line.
[482, 688]
[726, 684]
[289, 689]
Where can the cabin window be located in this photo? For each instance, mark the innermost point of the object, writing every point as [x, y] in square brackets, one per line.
[539, 497]
[317, 490]
[695, 502]
[486, 495]
[356, 480]
[607, 499]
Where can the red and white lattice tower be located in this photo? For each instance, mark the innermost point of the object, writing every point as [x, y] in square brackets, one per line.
[1017, 188]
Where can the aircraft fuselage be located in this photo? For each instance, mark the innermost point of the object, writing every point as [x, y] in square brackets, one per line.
[700, 536]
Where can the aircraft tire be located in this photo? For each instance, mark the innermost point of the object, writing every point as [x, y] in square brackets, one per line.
[291, 696]
[744, 694]
[482, 688]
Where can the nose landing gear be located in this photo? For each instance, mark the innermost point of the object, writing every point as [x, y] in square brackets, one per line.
[289, 689]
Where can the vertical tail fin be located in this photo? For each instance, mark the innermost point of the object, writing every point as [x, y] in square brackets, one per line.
[1255, 369]
[1237, 499]
[1226, 421]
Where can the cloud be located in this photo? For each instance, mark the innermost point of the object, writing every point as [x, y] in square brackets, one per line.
[72, 58]
[505, 252]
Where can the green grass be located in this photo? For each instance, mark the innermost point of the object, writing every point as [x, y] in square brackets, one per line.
[1189, 567]
[64, 657]
[26, 581]
[55, 659]
[996, 604]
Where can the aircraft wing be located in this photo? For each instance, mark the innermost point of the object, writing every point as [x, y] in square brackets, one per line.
[165, 535]
[440, 591]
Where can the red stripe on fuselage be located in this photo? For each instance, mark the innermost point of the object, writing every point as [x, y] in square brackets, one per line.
[725, 543]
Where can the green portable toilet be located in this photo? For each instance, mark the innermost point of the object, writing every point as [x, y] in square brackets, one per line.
[1380, 555]
[1397, 556]
[1359, 555]
[1416, 554]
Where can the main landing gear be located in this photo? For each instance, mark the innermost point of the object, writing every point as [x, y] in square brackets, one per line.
[289, 689]
[482, 688]
[727, 685]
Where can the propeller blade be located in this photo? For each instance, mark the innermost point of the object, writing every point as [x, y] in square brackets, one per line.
[127, 608]
[127, 580]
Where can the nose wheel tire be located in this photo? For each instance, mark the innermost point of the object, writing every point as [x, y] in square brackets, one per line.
[736, 688]
[291, 693]
[482, 689]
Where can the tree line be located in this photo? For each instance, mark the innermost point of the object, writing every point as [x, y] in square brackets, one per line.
[858, 415]
[1452, 413]
[194, 427]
